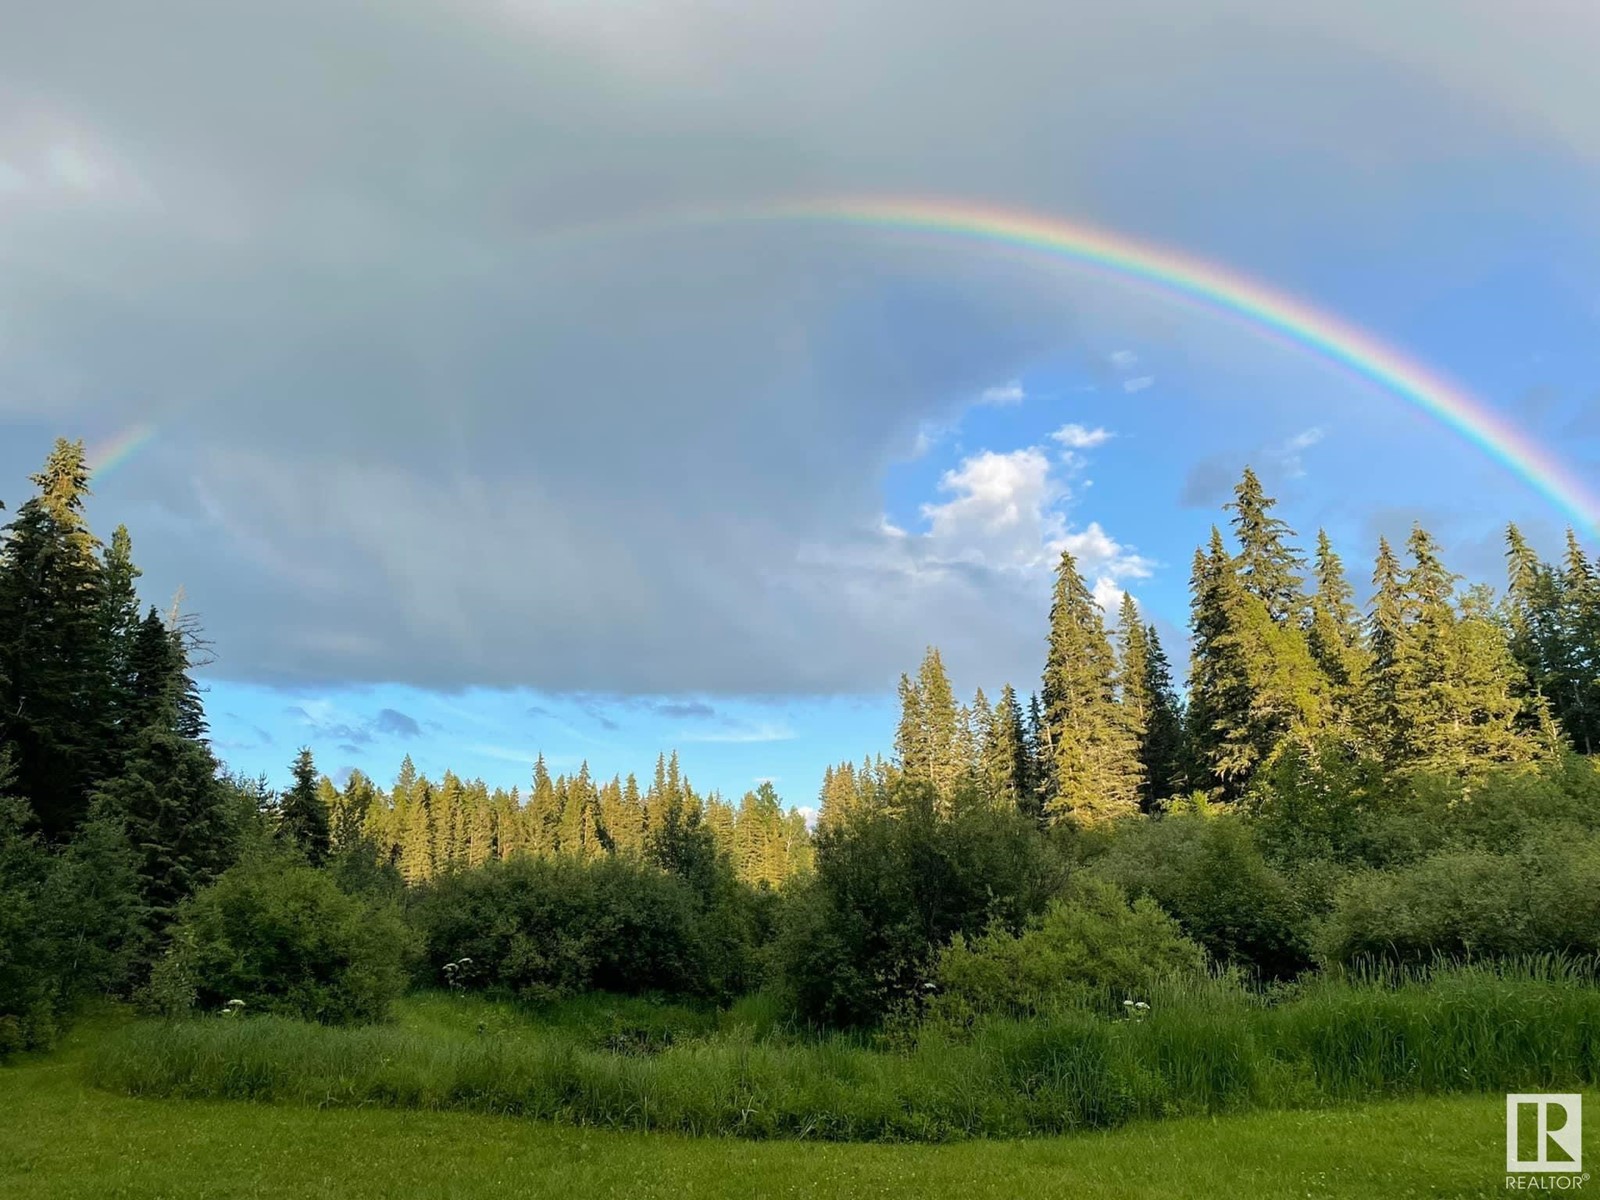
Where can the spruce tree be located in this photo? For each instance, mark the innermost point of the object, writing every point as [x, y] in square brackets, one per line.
[1389, 652]
[56, 696]
[1333, 635]
[1163, 751]
[1097, 775]
[1267, 567]
[1132, 679]
[1006, 761]
[302, 816]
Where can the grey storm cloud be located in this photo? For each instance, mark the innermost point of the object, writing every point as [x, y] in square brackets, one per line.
[414, 424]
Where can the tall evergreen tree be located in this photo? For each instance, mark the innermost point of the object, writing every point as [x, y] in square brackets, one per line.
[302, 815]
[1097, 774]
[1267, 566]
[1333, 635]
[1162, 752]
[56, 699]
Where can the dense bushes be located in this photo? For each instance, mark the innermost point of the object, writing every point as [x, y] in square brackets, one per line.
[1090, 946]
[1209, 874]
[550, 927]
[1542, 896]
[69, 924]
[282, 937]
[892, 887]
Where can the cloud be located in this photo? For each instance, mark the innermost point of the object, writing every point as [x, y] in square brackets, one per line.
[327, 723]
[1209, 482]
[1138, 384]
[747, 734]
[685, 709]
[1289, 454]
[1123, 360]
[1077, 437]
[425, 417]
[1005, 393]
[397, 723]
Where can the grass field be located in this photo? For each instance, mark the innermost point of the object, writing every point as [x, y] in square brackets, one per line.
[60, 1138]
[628, 1066]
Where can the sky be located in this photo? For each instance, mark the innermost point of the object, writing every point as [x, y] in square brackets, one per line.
[398, 356]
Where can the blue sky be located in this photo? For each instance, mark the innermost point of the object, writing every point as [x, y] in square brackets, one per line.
[441, 479]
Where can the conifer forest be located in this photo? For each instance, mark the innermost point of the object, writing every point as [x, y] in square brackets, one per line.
[1368, 805]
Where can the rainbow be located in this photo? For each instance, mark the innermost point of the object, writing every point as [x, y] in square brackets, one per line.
[1193, 282]
[1231, 295]
[120, 447]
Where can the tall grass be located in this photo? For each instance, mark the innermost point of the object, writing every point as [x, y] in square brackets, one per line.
[1203, 1048]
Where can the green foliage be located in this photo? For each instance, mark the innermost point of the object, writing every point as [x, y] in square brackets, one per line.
[1543, 896]
[555, 927]
[1210, 875]
[1091, 747]
[56, 694]
[303, 818]
[1090, 946]
[893, 886]
[282, 937]
[1203, 1048]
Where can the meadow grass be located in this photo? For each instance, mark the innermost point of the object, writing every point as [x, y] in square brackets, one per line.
[1204, 1049]
[62, 1140]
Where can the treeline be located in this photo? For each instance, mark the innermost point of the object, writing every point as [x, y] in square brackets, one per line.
[1425, 677]
[1393, 781]
[425, 829]
[112, 808]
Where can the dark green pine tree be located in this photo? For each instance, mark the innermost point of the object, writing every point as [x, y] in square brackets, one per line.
[1218, 697]
[1097, 776]
[1389, 652]
[302, 816]
[1041, 767]
[1006, 759]
[1333, 635]
[56, 700]
[1162, 752]
[1268, 568]
[173, 809]
[1132, 676]
[119, 621]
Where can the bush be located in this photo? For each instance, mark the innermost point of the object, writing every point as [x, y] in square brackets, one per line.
[1541, 897]
[282, 937]
[544, 928]
[1209, 874]
[1090, 945]
[890, 890]
[69, 924]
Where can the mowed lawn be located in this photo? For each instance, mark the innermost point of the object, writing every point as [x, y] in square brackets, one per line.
[60, 1138]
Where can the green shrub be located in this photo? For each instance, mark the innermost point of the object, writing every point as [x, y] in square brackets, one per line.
[282, 937]
[69, 923]
[1543, 896]
[544, 928]
[890, 890]
[1089, 945]
[1208, 873]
